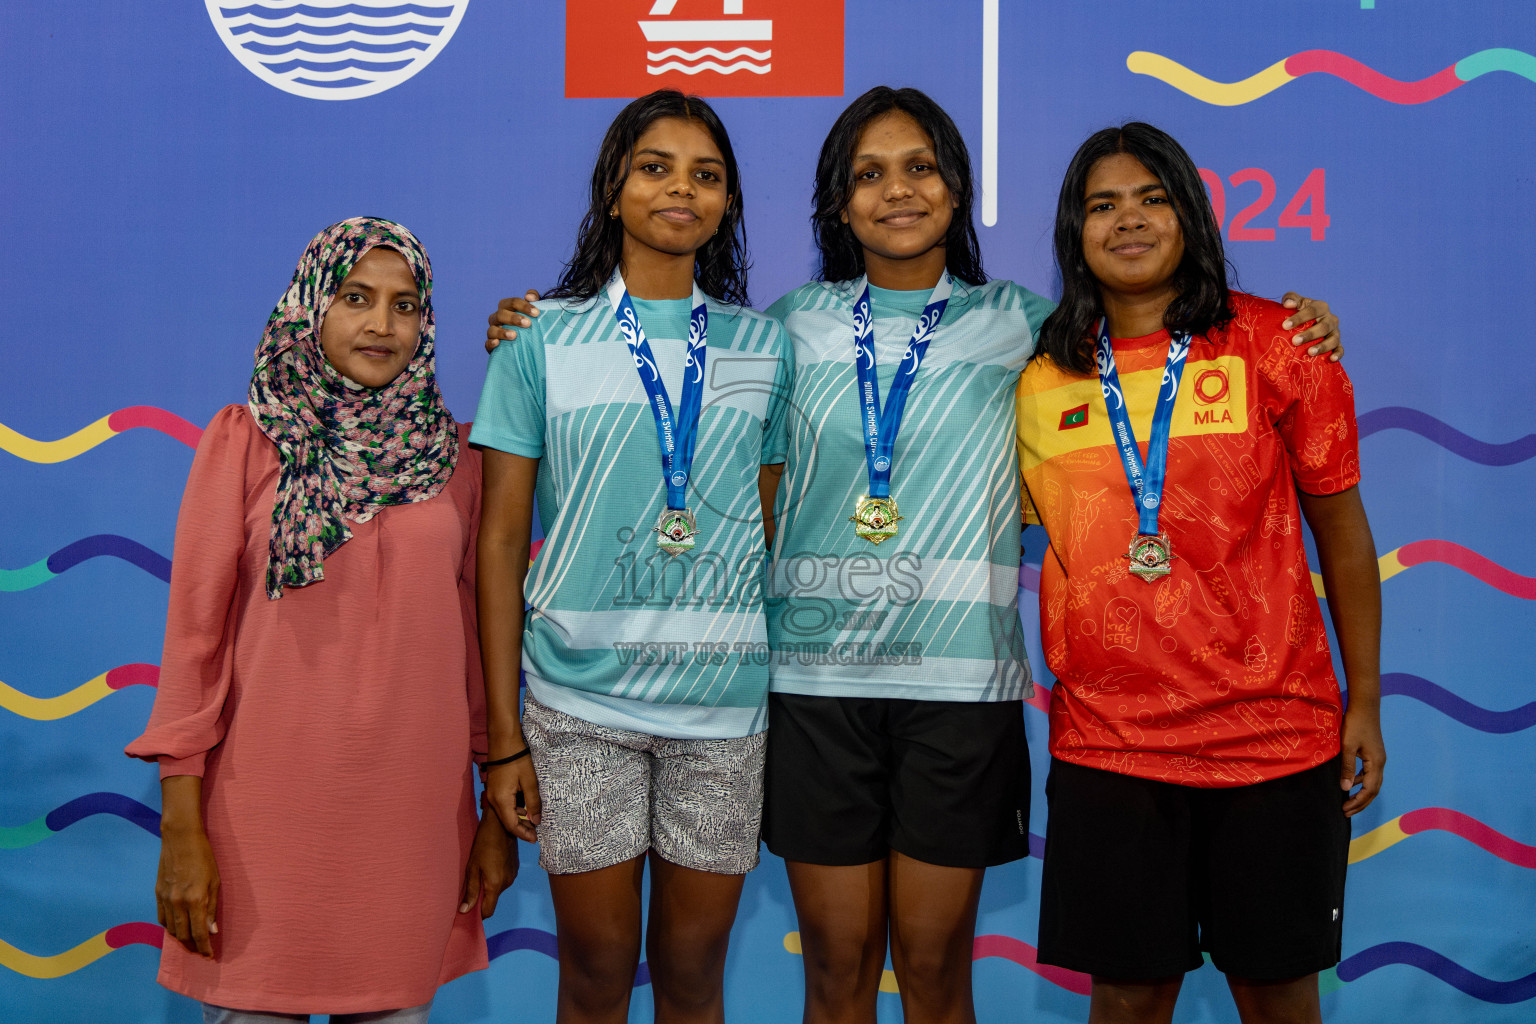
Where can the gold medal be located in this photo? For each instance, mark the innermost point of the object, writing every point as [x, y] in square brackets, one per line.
[1151, 556]
[874, 519]
[675, 530]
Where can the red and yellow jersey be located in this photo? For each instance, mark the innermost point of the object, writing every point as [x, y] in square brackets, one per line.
[1219, 674]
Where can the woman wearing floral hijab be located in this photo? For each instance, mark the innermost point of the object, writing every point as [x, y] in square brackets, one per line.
[320, 692]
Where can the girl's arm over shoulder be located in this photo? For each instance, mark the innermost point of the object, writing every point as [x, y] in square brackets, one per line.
[1346, 553]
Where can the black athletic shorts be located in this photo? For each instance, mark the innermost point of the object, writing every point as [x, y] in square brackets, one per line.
[1141, 876]
[849, 779]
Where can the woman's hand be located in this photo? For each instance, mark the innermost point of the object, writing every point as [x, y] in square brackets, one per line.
[187, 885]
[492, 866]
[1324, 327]
[187, 889]
[515, 312]
[513, 791]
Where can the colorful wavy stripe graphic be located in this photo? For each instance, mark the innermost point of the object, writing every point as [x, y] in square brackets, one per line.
[88, 952]
[1427, 960]
[1004, 947]
[541, 941]
[1022, 953]
[1447, 436]
[48, 709]
[1453, 706]
[1328, 62]
[81, 807]
[1419, 552]
[101, 545]
[1441, 819]
[104, 429]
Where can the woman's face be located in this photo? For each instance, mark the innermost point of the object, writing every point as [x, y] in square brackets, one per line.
[370, 332]
[901, 208]
[675, 195]
[1131, 236]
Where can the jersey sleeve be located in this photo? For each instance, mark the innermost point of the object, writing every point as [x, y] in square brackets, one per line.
[510, 416]
[1316, 404]
[776, 426]
[1028, 514]
[189, 717]
[784, 306]
[1036, 309]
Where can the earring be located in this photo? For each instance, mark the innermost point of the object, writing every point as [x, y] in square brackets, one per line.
[613, 213]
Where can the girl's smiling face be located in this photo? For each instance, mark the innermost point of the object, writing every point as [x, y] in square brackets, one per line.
[901, 208]
[372, 326]
[675, 195]
[1132, 240]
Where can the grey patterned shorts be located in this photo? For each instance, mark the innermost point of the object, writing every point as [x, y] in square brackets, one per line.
[611, 794]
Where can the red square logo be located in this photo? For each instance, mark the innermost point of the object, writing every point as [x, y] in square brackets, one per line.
[626, 48]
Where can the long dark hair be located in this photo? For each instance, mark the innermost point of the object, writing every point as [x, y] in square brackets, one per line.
[842, 258]
[1201, 278]
[720, 266]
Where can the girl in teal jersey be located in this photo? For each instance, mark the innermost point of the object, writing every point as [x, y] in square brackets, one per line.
[644, 641]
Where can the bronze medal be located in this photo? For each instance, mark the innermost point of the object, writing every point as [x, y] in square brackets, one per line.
[1151, 556]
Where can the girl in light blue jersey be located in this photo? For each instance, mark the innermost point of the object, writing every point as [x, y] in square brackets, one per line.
[644, 642]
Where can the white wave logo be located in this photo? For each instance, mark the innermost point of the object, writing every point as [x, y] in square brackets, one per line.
[726, 30]
[335, 49]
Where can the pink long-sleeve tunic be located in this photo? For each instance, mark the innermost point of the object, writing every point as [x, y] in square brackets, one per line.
[333, 731]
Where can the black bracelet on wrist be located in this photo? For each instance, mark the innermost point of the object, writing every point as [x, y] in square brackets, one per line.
[505, 760]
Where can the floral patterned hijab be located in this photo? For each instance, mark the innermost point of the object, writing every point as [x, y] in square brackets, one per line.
[347, 451]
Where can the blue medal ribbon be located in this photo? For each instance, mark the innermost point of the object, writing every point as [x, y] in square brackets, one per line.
[882, 425]
[1146, 482]
[675, 432]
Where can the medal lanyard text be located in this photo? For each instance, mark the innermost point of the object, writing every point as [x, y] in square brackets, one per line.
[882, 425]
[1146, 482]
[675, 432]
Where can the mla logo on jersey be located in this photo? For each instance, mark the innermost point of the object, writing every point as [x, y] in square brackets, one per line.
[624, 48]
[1212, 386]
[335, 49]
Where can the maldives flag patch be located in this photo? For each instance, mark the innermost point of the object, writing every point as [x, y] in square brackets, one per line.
[1074, 417]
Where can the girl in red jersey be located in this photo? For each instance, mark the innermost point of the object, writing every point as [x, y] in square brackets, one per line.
[1203, 767]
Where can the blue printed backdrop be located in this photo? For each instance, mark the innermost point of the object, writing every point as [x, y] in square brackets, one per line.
[157, 194]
